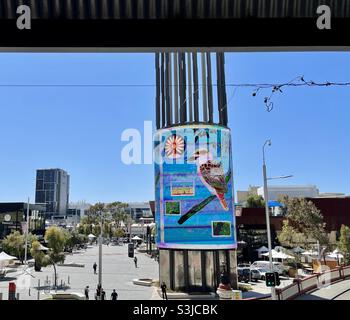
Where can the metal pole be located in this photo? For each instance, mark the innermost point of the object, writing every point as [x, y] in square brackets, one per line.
[210, 88]
[266, 196]
[167, 88]
[100, 255]
[204, 88]
[171, 89]
[195, 87]
[219, 90]
[176, 88]
[27, 229]
[38, 289]
[189, 71]
[162, 73]
[157, 91]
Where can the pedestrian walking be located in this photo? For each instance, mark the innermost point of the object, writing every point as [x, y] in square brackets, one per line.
[95, 267]
[86, 291]
[103, 295]
[135, 261]
[164, 295]
[114, 295]
[98, 292]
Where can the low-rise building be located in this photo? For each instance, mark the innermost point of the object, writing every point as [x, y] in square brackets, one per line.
[13, 217]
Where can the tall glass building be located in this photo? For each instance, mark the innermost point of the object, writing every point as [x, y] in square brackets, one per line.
[52, 188]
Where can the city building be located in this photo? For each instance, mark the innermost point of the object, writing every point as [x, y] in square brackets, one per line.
[251, 224]
[52, 188]
[242, 196]
[275, 192]
[80, 209]
[138, 210]
[13, 218]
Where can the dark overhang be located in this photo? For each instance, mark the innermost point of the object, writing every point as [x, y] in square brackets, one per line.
[149, 24]
[169, 9]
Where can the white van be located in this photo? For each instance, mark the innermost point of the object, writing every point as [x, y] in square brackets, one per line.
[277, 266]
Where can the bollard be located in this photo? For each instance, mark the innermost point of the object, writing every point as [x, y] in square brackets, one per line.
[12, 291]
[38, 289]
[61, 283]
[17, 296]
[29, 292]
[0, 296]
[68, 280]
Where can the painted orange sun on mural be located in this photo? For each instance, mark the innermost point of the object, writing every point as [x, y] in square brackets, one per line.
[174, 147]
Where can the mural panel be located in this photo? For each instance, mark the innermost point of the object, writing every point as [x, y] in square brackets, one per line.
[194, 188]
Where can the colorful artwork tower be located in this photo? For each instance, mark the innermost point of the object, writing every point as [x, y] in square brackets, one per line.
[194, 191]
[195, 222]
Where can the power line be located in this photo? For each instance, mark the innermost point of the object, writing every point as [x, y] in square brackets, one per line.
[274, 87]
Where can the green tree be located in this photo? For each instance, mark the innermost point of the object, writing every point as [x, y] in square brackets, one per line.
[255, 201]
[40, 259]
[119, 233]
[97, 208]
[303, 224]
[344, 243]
[14, 244]
[56, 238]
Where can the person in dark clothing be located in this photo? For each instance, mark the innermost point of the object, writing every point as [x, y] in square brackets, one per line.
[86, 291]
[98, 292]
[135, 261]
[164, 295]
[95, 267]
[103, 295]
[114, 295]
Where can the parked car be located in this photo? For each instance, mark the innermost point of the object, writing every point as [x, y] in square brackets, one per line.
[243, 265]
[277, 266]
[243, 274]
[255, 274]
[262, 273]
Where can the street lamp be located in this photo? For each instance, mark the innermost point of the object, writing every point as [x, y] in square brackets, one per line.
[100, 254]
[266, 196]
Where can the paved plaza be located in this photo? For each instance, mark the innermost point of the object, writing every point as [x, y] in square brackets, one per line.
[118, 272]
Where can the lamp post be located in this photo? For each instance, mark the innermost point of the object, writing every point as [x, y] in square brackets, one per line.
[100, 254]
[266, 196]
[268, 142]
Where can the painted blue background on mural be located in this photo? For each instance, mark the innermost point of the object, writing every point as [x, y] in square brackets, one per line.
[197, 230]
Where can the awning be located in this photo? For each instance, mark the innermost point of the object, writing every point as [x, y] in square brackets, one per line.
[5, 257]
[262, 249]
[278, 255]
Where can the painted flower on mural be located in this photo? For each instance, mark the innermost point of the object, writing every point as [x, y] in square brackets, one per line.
[174, 146]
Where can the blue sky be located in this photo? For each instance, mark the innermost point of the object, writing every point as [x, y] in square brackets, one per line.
[79, 129]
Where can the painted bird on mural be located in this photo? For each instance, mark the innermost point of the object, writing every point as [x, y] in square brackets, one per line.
[211, 174]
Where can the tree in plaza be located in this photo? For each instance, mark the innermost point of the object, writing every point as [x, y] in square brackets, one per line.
[117, 209]
[40, 259]
[87, 224]
[14, 244]
[344, 243]
[255, 201]
[74, 238]
[56, 238]
[119, 233]
[303, 224]
[97, 208]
